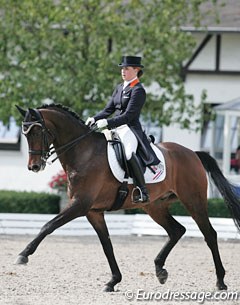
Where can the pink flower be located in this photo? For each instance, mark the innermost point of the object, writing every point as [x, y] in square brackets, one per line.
[59, 181]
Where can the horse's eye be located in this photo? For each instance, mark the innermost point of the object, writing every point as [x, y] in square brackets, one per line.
[36, 133]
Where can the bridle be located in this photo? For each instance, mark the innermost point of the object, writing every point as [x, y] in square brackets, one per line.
[47, 153]
[26, 129]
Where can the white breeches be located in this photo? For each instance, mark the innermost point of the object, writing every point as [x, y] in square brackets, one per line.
[128, 139]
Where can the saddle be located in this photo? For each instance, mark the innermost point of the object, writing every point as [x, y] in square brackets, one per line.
[123, 190]
[120, 154]
[119, 166]
[121, 157]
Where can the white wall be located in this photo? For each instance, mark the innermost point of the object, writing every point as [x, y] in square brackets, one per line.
[220, 88]
[14, 174]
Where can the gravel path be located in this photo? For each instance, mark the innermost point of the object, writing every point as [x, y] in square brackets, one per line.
[72, 271]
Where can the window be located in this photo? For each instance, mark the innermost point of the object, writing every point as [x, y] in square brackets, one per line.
[206, 140]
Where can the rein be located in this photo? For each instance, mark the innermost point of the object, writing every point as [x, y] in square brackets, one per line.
[46, 154]
[64, 148]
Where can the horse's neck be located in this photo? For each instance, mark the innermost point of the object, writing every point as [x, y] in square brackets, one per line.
[66, 130]
[84, 154]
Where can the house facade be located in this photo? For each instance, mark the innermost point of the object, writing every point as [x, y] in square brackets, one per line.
[214, 67]
[218, 76]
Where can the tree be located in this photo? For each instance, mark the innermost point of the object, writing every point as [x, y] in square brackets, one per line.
[68, 51]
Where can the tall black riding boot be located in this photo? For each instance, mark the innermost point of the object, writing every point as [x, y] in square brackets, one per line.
[135, 167]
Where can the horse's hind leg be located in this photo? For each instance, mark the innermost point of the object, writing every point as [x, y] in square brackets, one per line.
[98, 222]
[210, 237]
[200, 215]
[175, 231]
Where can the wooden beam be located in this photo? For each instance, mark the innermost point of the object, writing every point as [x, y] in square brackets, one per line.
[214, 72]
[198, 50]
[184, 69]
[218, 51]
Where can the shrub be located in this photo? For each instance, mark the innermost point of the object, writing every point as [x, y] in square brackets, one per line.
[216, 208]
[28, 202]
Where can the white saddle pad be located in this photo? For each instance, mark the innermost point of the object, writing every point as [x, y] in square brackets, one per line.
[150, 177]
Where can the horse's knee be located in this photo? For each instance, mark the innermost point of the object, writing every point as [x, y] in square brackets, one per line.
[177, 232]
[211, 238]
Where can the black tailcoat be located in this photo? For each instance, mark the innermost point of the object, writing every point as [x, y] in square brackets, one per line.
[127, 105]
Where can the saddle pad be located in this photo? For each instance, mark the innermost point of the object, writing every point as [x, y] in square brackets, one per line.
[150, 177]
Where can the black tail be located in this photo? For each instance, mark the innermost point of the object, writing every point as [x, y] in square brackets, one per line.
[226, 189]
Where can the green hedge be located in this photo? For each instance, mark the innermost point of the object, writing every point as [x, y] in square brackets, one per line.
[44, 203]
[28, 202]
[216, 208]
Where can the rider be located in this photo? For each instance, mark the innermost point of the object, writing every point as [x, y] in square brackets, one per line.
[126, 102]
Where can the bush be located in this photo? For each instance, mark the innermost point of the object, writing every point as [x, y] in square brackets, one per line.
[44, 203]
[28, 202]
[216, 208]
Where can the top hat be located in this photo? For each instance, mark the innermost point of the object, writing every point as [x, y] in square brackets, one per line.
[131, 61]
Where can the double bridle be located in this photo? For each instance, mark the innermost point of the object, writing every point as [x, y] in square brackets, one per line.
[46, 154]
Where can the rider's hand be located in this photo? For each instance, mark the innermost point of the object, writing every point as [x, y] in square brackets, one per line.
[90, 121]
[102, 123]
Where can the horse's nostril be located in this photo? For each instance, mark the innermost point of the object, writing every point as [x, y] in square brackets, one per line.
[35, 167]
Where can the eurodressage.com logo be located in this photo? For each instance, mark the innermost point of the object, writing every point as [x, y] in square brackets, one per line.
[200, 297]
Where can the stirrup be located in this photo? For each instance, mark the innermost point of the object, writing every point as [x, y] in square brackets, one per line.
[140, 196]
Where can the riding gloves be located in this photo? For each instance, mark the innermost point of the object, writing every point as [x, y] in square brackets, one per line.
[90, 121]
[102, 123]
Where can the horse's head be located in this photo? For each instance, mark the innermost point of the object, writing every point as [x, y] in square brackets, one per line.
[38, 137]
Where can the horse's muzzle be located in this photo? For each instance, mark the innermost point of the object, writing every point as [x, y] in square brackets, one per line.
[36, 167]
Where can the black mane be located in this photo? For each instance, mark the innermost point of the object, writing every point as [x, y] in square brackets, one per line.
[64, 108]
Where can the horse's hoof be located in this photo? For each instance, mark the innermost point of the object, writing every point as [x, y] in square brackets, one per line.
[108, 289]
[221, 286]
[21, 260]
[162, 276]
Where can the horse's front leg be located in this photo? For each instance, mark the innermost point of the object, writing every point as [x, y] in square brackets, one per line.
[70, 213]
[98, 222]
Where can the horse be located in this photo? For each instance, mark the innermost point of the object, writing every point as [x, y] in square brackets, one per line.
[92, 187]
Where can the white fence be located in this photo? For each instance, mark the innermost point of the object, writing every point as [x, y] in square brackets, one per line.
[138, 224]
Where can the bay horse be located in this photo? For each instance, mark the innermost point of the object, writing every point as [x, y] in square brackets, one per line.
[92, 187]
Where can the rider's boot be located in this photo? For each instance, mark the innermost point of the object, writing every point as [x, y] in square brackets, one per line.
[141, 190]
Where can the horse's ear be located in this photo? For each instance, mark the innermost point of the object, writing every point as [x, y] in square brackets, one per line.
[21, 110]
[32, 112]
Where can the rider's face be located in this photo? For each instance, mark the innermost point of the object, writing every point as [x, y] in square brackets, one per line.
[128, 73]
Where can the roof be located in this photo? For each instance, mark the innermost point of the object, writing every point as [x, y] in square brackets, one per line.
[228, 13]
[211, 29]
[231, 106]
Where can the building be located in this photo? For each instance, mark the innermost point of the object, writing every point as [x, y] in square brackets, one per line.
[214, 67]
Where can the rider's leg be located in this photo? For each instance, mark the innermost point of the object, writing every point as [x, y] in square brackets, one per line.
[135, 166]
[128, 140]
[130, 144]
